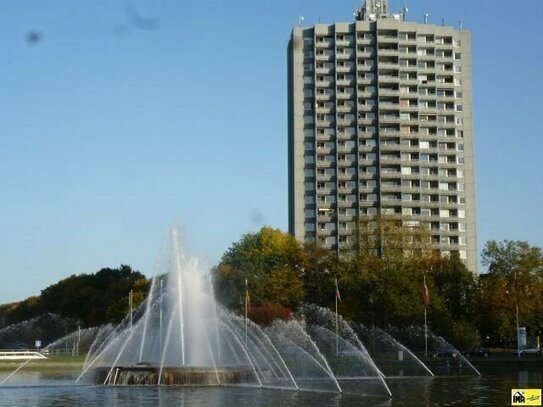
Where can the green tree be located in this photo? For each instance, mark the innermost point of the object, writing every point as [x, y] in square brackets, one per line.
[95, 299]
[454, 296]
[319, 269]
[515, 278]
[496, 311]
[382, 274]
[19, 311]
[270, 260]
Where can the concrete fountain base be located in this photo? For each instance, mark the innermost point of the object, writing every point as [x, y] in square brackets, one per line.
[147, 375]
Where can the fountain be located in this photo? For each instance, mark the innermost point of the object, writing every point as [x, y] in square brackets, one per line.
[181, 336]
[46, 327]
[386, 356]
[443, 358]
[392, 357]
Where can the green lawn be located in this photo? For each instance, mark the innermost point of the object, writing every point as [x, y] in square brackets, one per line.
[53, 362]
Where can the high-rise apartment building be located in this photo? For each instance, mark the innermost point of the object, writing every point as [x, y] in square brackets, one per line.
[381, 122]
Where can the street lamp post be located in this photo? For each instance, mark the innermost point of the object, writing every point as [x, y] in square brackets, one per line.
[516, 310]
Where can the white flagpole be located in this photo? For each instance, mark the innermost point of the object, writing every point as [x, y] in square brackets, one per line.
[337, 324]
[246, 306]
[130, 294]
[161, 298]
[425, 321]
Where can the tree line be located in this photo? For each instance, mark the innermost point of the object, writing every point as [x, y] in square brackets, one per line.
[86, 299]
[381, 279]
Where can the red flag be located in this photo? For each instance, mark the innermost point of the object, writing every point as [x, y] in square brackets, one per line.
[338, 295]
[426, 294]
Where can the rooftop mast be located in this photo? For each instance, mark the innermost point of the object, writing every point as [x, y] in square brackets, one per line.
[372, 10]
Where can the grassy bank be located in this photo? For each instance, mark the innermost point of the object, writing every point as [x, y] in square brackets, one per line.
[52, 363]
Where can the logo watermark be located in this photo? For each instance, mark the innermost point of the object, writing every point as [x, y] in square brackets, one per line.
[525, 397]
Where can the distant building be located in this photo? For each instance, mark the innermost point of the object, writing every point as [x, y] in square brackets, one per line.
[381, 122]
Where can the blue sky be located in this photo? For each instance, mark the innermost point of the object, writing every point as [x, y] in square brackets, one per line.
[110, 133]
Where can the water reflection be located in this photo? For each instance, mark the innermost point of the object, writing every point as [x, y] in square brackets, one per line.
[54, 390]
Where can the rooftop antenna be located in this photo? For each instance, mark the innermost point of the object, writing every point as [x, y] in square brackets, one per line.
[358, 14]
[426, 18]
[404, 11]
[300, 21]
[460, 24]
[443, 21]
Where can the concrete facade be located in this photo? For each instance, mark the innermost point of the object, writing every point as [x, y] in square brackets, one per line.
[381, 123]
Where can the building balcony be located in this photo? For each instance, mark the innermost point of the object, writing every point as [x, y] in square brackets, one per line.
[324, 70]
[345, 55]
[325, 178]
[446, 99]
[391, 188]
[324, 96]
[345, 109]
[325, 123]
[445, 85]
[325, 110]
[366, 68]
[346, 122]
[326, 164]
[367, 175]
[345, 95]
[324, 57]
[408, 82]
[388, 79]
[389, 92]
[365, 108]
[325, 84]
[325, 150]
[390, 160]
[387, 52]
[385, 39]
[389, 119]
[345, 82]
[365, 41]
[347, 43]
[346, 177]
[346, 67]
[328, 44]
[427, 110]
[407, 42]
[388, 65]
[389, 132]
[365, 54]
[426, 70]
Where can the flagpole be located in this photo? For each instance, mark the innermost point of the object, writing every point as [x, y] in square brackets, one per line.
[246, 306]
[425, 318]
[161, 298]
[130, 299]
[337, 324]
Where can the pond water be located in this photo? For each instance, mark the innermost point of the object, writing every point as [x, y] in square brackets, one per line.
[32, 388]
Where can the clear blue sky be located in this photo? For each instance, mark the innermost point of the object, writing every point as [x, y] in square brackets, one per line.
[110, 133]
